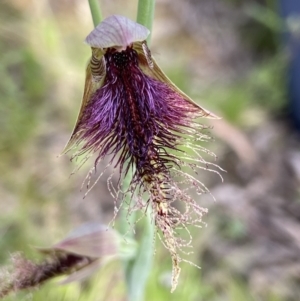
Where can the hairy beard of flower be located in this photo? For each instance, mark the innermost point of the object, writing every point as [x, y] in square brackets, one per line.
[134, 116]
[148, 126]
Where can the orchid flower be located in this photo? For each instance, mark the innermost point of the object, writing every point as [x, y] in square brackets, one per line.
[134, 113]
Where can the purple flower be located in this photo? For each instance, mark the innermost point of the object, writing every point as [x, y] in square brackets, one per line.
[133, 112]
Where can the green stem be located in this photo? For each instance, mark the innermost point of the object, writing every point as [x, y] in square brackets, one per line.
[145, 14]
[138, 270]
[95, 11]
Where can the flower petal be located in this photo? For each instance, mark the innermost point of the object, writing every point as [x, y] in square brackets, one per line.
[117, 31]
[92, 240]
[95, 74]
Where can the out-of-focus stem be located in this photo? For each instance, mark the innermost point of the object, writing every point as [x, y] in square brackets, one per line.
[139, 269]
[136, 270]
[145, 14]
[95, 11]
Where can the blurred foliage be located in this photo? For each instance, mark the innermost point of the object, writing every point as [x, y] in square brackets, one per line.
[262, 30]
[261, 90]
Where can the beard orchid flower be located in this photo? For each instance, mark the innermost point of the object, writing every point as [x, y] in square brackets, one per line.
[132, 113]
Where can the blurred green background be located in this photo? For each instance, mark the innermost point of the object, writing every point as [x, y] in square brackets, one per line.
[228, 56]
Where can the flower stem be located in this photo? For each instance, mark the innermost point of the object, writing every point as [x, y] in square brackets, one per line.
[145, 14]
[137, 270]
[95, 11]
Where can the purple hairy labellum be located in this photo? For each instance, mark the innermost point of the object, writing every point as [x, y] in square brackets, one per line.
[132, 112]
